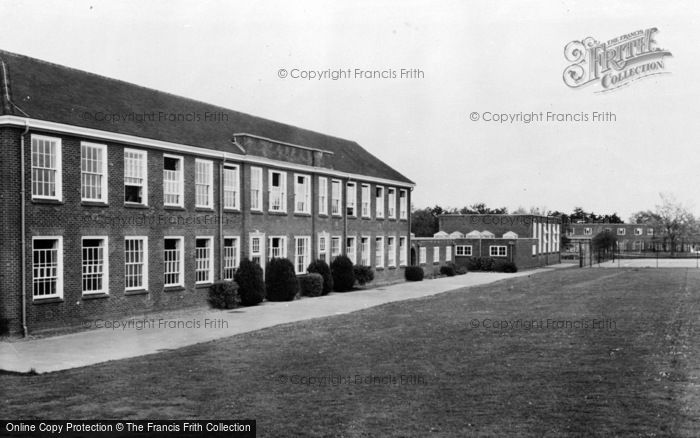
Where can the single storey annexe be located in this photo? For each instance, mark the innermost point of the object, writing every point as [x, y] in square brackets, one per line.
[118, 199]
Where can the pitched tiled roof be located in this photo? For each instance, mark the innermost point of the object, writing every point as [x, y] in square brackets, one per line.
[45, 91]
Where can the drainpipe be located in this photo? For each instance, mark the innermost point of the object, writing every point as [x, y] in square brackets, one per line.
[221, 216]
[23, 214]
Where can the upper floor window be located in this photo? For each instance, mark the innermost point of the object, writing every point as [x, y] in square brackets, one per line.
[638, 231]
[379, 201]
[135, 177]
[46, 167]
[302, 193]
[173, 181]
[365, 201]
[351, 198]
[278, 191]
[232, 188]
[403, 204]
[204, 183]
[322, 195]
[256, 184]
[587, 231]
[93, 172]
[620, 231]
[336, 197]
[650, 232]
[391, 195]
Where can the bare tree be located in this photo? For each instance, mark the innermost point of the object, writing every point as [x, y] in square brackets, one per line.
[675, 223]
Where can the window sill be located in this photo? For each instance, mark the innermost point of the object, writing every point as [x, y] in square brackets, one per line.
[203, 285]
[94, 296]
[392, 268]
[173, 288]
[174, 207]
[47, 201]
[134, 205]
[205, 209]
[48, 300]
[231, 210]
[135, 292]
[256, 211]
[379, 268]
[302, 214]
[324, 215]
[94, 204]
[277, 213]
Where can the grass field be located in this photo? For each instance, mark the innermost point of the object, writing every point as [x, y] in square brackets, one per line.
[439, 366]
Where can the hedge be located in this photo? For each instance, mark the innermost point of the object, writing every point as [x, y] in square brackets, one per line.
[322, 268]
[281, 280]
[224, 295]
[251, 287]
[413, 273]
[343, 274]
[311, 285]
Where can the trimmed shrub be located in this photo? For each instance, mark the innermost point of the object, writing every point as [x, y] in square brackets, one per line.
[506, 266]
[343, 274]
[311, 285]
[448, 269]
[474, 264]
[413, 273]
[363, 274]
[487, 263]
[251, 287]
[321, 267]
[224, 295]
[280, 280]
[460, 270]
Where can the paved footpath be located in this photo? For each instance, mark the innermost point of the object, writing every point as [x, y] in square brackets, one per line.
[153, 332]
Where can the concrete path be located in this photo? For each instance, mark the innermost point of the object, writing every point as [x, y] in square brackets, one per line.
[650, 263]
[120, 339]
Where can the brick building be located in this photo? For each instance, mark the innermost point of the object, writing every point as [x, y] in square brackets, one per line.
[528, 240]
[118, 199]
[630, 237]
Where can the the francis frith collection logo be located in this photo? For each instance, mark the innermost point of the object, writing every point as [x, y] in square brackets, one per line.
[614, 63]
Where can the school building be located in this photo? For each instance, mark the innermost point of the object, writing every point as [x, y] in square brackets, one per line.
[118, 199]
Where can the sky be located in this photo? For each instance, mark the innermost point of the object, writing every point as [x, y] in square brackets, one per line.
[482, 57]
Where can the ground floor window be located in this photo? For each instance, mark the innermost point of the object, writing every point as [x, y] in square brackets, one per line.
[256, 249]
[403, 257]
[302, 253]
[95, 268]
[436, 254]
[335, 246]
[172, 261]
[391, 251]
[448, 253]
[379, 252]
[364, 251]
[47, 267]
[351, 249]
[463, 250]
[204, 266]
[135, 263]
[497, 251]
[323, 247]
[276, 247]
[422, 255]
[231, 257]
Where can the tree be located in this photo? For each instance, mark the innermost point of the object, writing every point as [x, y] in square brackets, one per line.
[424, 223]
[672, 220]
[604, 243]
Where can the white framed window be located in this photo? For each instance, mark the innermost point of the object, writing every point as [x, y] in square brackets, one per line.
[95, 265]
[448, 253]
[135, 262]
[232, 256]
[587, 231]
[232, 187]
[436, 254]
[93, 172]
[351, 199]
[365, 253]
[336, 198]
[135, 177]
[322, 195]
[46, 168]
[365, 201]
[351, 248]
[203, 183]
[302, 253]
[498, 250]
[47, 267]
[650, 232]
[173, 180]
[276, 247]
[379, 201]
[335, 247]
[323, 246]
[463, 250]
[256, 188]
[391, 251]
[403, 251]
[620, 231]
[422, 255]
[204, 259]
[277, 184]
[403, 204]
[302, 193]
[379, 252]
[173, 256]
[638, 231]
[391, 199]
[257, 248]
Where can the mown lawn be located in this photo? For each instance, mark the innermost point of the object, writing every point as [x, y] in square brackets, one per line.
[635, 376]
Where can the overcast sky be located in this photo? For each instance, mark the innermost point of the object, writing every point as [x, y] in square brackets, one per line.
[501, 57]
